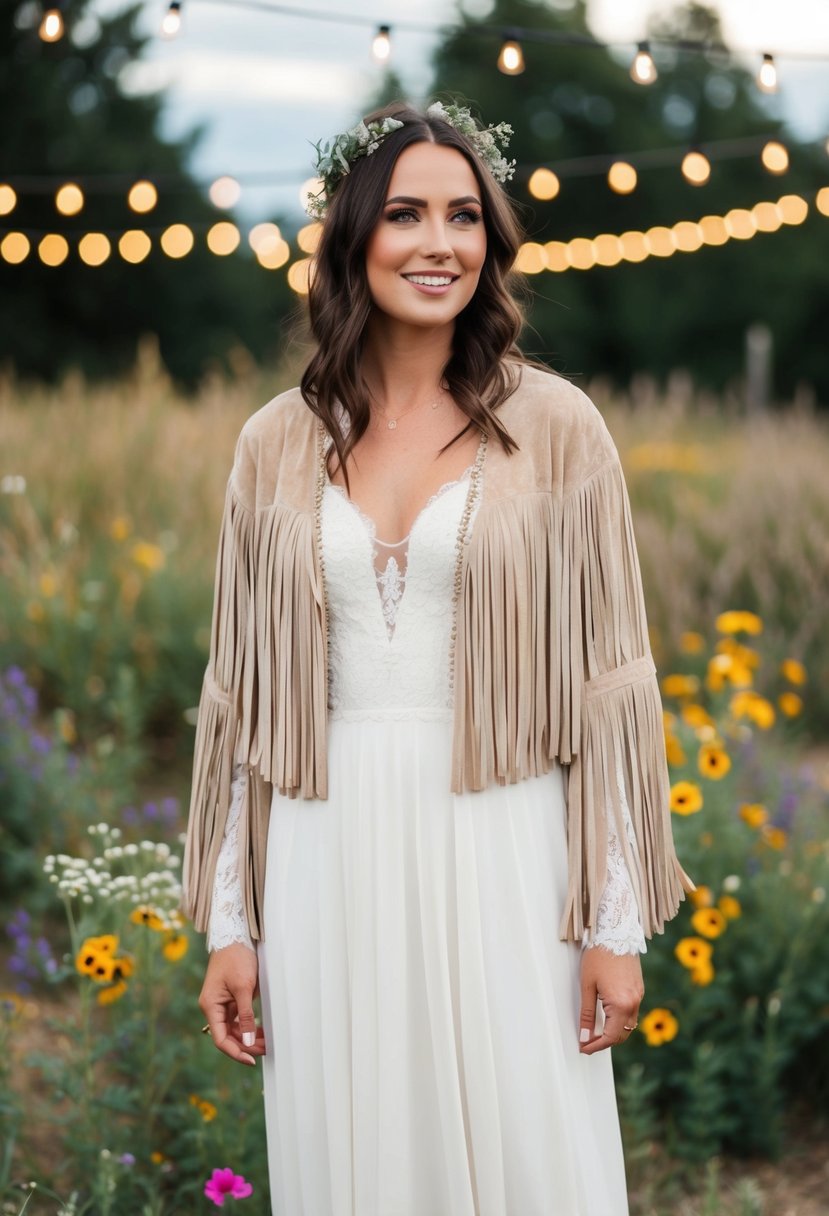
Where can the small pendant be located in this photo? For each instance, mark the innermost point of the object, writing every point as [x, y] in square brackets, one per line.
[392, 424]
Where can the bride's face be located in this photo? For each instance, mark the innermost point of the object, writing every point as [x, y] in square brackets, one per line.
[432, 225]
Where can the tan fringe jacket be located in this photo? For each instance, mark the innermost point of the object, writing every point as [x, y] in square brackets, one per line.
[551, 658]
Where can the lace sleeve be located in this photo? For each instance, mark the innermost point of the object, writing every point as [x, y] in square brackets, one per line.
[227, 913]
[618, 927]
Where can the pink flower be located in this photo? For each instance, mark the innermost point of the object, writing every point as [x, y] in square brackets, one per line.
[224, 1182]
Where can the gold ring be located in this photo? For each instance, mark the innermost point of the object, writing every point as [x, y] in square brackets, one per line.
[205, 1030]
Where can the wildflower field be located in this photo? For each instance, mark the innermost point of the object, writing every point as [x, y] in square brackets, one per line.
[111, 1101]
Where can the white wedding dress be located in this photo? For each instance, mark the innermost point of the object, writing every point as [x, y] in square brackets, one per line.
[420, 1011]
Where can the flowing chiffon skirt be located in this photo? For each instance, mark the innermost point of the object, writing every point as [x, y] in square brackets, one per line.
[420, 1011]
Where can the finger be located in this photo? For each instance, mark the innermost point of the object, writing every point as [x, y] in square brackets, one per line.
[587, 1014]
[219, 1019]
[613, 1034]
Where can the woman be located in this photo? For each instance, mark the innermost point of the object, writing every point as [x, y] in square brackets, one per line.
[429, 821]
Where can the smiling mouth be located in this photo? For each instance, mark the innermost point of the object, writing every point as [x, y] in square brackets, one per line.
[431, 280]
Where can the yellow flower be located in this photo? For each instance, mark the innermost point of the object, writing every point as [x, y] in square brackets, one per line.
[678, 685]
[695, 715]
[145, 915]
[150, 557]
[703, 974]
[124, 967]
[729, 906]
[692, 951]
[775, 837]
[120, 528]
[686, 798]
[175, 946]
[736, 621]
[703, 897]
[793, 671]
[48, 585]
[114, 993]
[790, 703]
[713, 762]
[673, 750]
[107, 944]
[35, 610]
[691, 642]
[709, 922]
[749, 704]
[659, 1026]
[206, 1109]
[753, 813]
[158, 1158]
[740, 653]
[722, 667]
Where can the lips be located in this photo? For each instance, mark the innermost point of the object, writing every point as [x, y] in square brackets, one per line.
[433, 289]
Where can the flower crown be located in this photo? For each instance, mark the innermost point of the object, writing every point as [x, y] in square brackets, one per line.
[334, 161]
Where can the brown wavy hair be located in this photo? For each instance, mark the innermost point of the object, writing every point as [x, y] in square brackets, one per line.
[480, 372]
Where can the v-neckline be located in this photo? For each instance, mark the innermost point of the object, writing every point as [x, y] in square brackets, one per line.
[370, 524]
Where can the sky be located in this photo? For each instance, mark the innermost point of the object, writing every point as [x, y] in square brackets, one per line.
[271, 85]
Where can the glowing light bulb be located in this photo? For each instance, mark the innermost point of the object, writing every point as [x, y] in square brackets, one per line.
[511, 58]
[643, 68]
[767, 76]
[381, 44]
[171, 22]
[51, 26]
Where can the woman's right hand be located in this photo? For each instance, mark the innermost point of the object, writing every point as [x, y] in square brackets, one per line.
[226, 999]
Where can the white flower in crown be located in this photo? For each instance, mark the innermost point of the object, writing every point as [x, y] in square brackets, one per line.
[334, 161]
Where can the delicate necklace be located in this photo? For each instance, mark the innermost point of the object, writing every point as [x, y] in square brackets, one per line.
[391, 423]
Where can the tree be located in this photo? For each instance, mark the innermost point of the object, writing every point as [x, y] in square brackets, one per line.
[75, 118]
[688, 310]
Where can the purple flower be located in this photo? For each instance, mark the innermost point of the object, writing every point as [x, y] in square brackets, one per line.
[150, 810]
[223, 1184]
[40, 743]
[127, 1159]
[15, 676]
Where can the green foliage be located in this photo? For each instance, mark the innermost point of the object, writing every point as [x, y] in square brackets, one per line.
[81, 119]
[688, 310]
[749, 1038]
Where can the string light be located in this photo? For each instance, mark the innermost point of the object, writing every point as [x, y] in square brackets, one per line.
[51, 27]
[643, 68]
[775, 157]
[622, 177]
[69, 199]
[171, 22]
[381, 44]
[225, 192]
[544, 184]
[8, 199]
[511, 57]
[142, 197]
[696, 167]
[767, 76]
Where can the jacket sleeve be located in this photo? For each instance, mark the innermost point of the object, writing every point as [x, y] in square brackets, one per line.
[613, 739]
[219, 725]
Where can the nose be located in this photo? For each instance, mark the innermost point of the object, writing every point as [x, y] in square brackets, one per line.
[436, 243]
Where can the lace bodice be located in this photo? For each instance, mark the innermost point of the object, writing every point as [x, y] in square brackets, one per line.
[389, 632]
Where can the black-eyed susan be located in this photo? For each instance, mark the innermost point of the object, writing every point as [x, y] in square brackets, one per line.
[112, 993]
[686, 797]
[123, 967]
[725, 668]
[737, 621]
[175, 946]
[691, 642]
[703, 974]
[710, 922]
[793, 671]
[693, 951]
[107, 943]
[673, 751]
[740, 653]
[730, 907]
[753, 813]
[659, 1026]
[713, 761]
[790, 703]
[149, 557]
[95, 960]
[678, 685]
[776, 838]
[703, 897]
[146, 915]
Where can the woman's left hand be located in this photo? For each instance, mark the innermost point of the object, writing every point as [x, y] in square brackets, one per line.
[616, 979]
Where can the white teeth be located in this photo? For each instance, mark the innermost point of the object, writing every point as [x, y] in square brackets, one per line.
[428, 280]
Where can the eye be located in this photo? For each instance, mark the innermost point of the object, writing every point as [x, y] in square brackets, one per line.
[393, 215]
[467, 214]
[473, 216]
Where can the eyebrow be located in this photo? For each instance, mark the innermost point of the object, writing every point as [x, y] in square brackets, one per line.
[421, 202]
